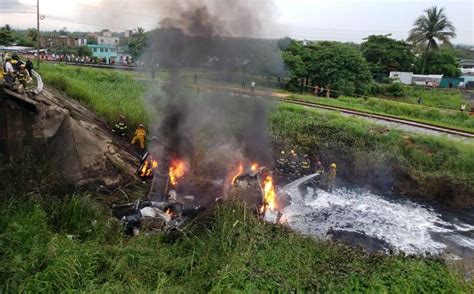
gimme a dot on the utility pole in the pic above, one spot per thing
(37, 33)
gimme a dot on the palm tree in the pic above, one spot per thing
(432, 26)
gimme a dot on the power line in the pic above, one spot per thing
(72, 20)
(17, 12)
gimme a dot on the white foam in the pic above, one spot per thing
(404, 225)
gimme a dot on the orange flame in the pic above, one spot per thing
(177, 171)
(241, 170)
(270, 195)
(148, 168)
(170, 213)
(254, 167)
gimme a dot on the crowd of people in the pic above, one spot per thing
(16, 73)
(72, 58)
(69, 58)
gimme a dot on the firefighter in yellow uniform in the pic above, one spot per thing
(332, 177)
(140, 135)
(24, 76)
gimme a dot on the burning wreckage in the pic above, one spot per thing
(167, 207)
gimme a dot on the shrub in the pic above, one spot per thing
(395, 90)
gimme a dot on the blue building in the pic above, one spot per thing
(106, 53)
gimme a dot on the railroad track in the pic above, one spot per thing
(388, 118)
(285, 98)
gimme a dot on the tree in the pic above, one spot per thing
(137, 42)
(429, 28)
(91, 40)
(32, 34)
(7, 36)
(385, 54)
(331, 65)
(442, 61)
(297, 58)
(340, 67)
(84, 51)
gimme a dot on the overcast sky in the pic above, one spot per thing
(341, 20)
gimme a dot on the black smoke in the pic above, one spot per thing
(194, 119)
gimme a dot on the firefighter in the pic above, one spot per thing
(294, 166)
(305, 165)
(319, 170)
(331, 177)
(120, 127)
(140, 136)
(24, 76)
(282, 162)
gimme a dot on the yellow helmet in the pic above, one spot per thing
(333, 165)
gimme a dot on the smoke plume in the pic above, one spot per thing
(210, 129)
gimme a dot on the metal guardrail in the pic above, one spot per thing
(39, 80)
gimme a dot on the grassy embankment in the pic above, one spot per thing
(107, 92)
(52, 240)
(421, 113)
(425, 167)
(437, 98)
(420, 166)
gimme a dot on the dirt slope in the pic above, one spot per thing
(72, 137)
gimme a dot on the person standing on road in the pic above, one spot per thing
(252, 84)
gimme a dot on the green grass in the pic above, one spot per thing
(227, 249)
(435, 116)
(438, 98)
(107, 92)
(368, 155)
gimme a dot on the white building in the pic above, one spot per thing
(427, 80)
(403, 77)
(106, 38)
(409, 78)
(80, 42)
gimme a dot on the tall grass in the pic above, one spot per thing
(228, 249)
(439, 98)
(435, 116)
(109, 93)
